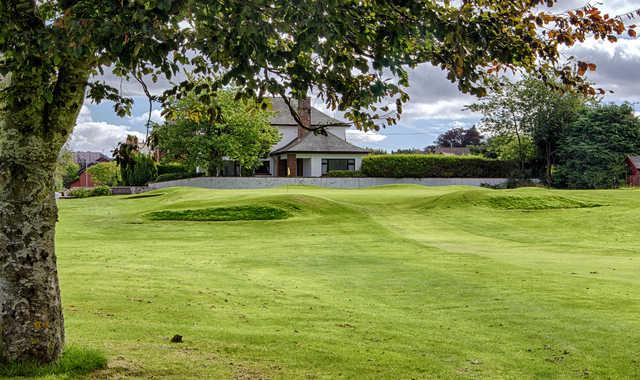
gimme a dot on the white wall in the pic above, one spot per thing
(315, 161)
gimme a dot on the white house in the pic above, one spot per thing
(304, 153)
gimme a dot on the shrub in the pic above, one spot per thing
(141, 172)
(105, 173)
(80, 192)
(344, 173)
(439, 166)
(100, 191)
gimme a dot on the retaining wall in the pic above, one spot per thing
(266, 182)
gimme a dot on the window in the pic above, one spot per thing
(264, 168)
(329, 165)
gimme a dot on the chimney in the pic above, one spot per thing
(304, 111)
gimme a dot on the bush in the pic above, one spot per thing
(438, 166)
(142, 171)
(172, 168)
(80, 192)
(105, 173)
(100, 191)
(344, 173)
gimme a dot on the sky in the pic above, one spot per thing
(435, 105)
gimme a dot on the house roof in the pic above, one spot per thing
(319, 143)
(283, 116)
(455, 151)
(89, 158)
(635, 160)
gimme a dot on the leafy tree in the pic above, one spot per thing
(550, 113)
(505, 147)
(459, 137)
(105, 173)
(124, 156)
(454, 137)
(66, 170)
(49, 49)
(593, 151)
(471, 137)
(142, 171)
(504, 113)
(240, 131)
(531, 116)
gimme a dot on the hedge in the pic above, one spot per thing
(172, 168)
(344, 173)
(438, 166)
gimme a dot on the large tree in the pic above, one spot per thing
(459, 137)
(239, 131)
(592, 152)
(531, 116)
(49, 50)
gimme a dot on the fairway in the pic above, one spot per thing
(398, 282)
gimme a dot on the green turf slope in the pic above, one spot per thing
(397, 282)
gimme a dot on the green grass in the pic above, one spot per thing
(73, 363)
(396, 282)
(221, 214)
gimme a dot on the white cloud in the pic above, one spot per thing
(358, 136)
(450, 109)
(156, 117)
(84, 115)
(98, 136)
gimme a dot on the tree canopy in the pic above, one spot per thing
(354, 54)
(527, 120)
(592, 152)
(459, 137)
(240, 131)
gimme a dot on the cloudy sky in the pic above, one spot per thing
(436, 104)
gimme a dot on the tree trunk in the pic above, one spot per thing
(31, 322)
(32, 133)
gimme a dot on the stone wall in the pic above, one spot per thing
(267, 182)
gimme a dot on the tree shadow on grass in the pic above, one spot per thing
(74, 362)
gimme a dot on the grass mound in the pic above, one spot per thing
(221, 214)
(547, 202)
(141, 196)
(74, 362)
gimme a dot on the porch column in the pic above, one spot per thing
(292, 165)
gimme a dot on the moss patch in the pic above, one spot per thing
(537, 203)
(74, 362)
(221, 214)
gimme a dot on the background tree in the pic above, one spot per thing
(528, 118)
(459, 137)
(592, 153)
(49, 49)
(472, 137)
(105, 173)
(505, 114)
(550, 113)
(66, 170)
(239, 130)
(124, 156)
(453, 137)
